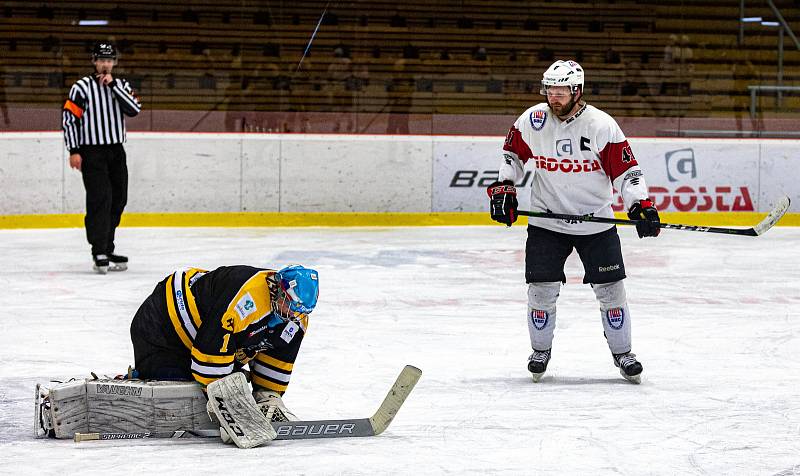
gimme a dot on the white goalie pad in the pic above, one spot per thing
(230, 401)
(118, 406)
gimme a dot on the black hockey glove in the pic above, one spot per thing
(647, 218)
(277, 336)
(503, 202)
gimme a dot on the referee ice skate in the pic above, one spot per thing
(94, 130)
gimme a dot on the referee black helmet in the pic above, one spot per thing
(104, 49)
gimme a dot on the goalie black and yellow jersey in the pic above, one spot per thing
(225, 319)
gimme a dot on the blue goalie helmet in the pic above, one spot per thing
(300, 286)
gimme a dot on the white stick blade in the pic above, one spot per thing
(402, 387)
(781, 206)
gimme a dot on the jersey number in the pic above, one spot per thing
(225, 340)
(627, 155)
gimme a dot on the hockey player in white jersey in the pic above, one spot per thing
(579, 155)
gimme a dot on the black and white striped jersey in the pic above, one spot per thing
(94, 114)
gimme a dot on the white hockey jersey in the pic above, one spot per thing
(577, 163)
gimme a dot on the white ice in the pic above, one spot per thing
(715, 323)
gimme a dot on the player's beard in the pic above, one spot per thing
(562, 111)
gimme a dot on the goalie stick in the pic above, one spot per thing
(299, 430)
(146, 434)
(768, 222)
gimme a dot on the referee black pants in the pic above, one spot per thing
(105, 177)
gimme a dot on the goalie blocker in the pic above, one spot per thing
(232, 405)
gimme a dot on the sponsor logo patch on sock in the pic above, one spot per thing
(616, 317)
(539, 318)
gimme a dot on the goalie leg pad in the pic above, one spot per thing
(232, 404)
(615, 315)
(119, 406)
(542, 313)
(42, 419)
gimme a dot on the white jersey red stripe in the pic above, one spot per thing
(577, 164)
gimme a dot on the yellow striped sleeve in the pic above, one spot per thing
(261, 357)
(268, 384)
(211, 359)
(204, 381)
(173, 314)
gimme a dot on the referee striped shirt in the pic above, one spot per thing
(94, 113)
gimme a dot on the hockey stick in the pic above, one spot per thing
(313, 35)
(301, 430)
(146, 434)
(768, 222)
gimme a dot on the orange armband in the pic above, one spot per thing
(73, 108)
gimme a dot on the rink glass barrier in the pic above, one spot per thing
(407, 76)
(438, 68)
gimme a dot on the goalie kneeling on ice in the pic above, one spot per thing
(119, 406)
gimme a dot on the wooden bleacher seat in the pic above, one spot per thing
(158, 39)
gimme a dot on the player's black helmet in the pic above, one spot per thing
(104, 49)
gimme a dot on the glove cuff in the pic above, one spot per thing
(497, 188)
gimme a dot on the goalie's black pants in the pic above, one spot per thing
(157, 350)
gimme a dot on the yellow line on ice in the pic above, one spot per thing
(345, 219)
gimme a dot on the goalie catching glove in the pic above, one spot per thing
(648, 223)
(503, 202)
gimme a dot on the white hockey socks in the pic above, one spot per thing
(230, 402)
(615, 315)
(542, 313)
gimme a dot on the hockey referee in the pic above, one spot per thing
(94, 130)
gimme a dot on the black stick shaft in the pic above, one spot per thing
(620, 221)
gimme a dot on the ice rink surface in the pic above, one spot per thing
(716, 324)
